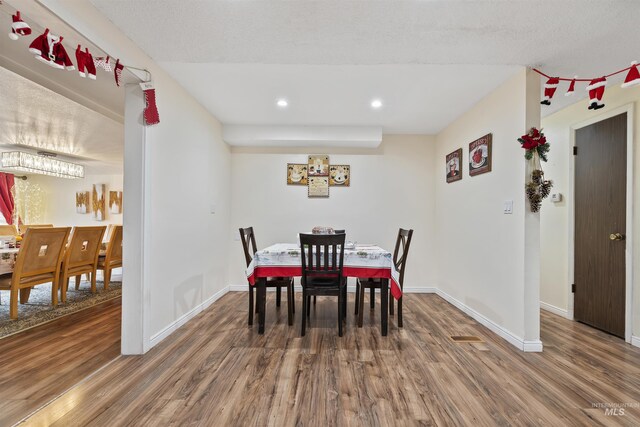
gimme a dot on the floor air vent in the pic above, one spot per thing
(465, 338)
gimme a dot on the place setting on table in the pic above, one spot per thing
(323, 259)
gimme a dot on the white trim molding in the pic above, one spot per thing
(527, 346)
(173, 326)
(635, 341)
(555, 310)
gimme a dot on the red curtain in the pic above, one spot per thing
(7, 204)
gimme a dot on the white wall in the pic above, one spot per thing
(481, 251)
(555, 236)
(60, 199)
(391, 187)
(176, 256)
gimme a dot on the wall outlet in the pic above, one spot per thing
(508, 207)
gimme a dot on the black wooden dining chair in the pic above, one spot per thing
(249, 245)
(399, 261)
(322, 260)
(334, 232)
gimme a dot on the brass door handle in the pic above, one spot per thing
(616, 236)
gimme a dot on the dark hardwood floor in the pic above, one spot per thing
(215, 371)
(41, 363)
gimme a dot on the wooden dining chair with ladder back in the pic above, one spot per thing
(322, 257)
(248, 238)
(400, 254)
(334, 232)
(112, 257)
(38, 262)
(81, 257)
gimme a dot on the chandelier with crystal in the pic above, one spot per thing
(43, 163)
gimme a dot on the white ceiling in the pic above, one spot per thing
(428, 60)
(57, 110)
(37, 118)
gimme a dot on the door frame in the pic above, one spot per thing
(629, 246)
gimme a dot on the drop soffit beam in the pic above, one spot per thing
(302, 136)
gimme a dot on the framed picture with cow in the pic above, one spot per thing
(454, 166)
(339, 175)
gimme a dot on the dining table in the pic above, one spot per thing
(8, 260)
(360, 261)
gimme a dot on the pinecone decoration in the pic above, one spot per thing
(536, 176)
(536, 203)
(530, 189)
(545, 188)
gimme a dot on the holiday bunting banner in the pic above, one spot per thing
(595, 87)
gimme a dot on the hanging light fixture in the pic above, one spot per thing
(43, 163)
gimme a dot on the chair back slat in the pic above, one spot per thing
(322, 255)
(24, 227)
(248, 238)
(41, 252)
(114, 247)
(401, 251)
(8, 230)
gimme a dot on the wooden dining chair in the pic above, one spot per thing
(334, 232)
(248, 238)
(8, 230)
(322, 261)
(38, 262)
(112, 256)
(22, 228)
(81, 256)
(400, 254)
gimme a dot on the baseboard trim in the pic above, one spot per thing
(172, 327)
(516, 341)
(635, 341)
(555, 310)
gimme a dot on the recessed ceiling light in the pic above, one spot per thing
(282, 103)
(376, 103)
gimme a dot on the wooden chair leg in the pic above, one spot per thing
(78, 279)
(391, 299)
(357, 297)
(278, 296)
(340, 316)
(13, 303)
(107, 280)
(290, 304)
(304, 313)
(372, 298)
(400, 312)
(314, 300)
(54, 291)
(93, 279)
(293, 297)
(64, 285)
(251, 292)
(24, 295)
(361, 308)
(308, 302)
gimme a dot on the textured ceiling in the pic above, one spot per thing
(35, 117)
(219, 49)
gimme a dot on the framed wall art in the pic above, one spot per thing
(454, 166)
(83, 202)
(318, 165)
(115, 202)
(99, 202)
(318, 186)
(340, 175)
(296, 174)
(480, 156)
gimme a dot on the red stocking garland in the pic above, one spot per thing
(117, 72)
(150, 114)
(595, 88)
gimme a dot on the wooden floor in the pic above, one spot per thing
(41, 363)
(215, 371)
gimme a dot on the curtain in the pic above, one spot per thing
(7, 204)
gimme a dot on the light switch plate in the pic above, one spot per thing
(508, 207)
